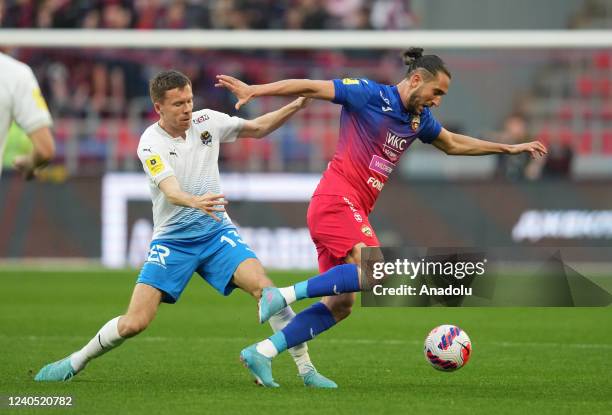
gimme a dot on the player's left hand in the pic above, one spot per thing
(210, 203)
(25, 166)
(534, 148)
(243, 92)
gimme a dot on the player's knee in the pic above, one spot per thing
(130, 326)
(341, 309)
(251, 277)
(340, 313)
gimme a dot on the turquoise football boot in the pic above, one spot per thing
(259, 365)
(270, 303)
(314, 379)
(56, 372)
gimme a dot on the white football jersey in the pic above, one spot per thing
(20, 100)
(194, 162)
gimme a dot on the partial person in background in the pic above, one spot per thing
(557, 164)
(519, 166)
(22, 102)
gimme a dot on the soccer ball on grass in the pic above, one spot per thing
(448, 348)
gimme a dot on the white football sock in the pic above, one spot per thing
(298, 352)
(288, 294)
(266, 348)
(106, 339)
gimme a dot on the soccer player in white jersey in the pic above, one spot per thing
(21, 101)
(192, 232)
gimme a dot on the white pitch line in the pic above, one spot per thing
(386, 342)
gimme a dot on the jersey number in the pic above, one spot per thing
(233, 241)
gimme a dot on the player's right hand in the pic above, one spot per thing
(243, 92)
(210, 203)
(25, 166)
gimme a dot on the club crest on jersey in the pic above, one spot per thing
(367, 231)
(415, 123)
(206, 138)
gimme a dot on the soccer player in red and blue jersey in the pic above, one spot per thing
(377, 125)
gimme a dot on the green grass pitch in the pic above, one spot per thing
(525, 360)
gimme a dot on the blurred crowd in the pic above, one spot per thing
(95, 88)
(208, 14)
(100, 102)
(113, 83)
(82, 83)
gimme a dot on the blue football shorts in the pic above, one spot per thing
(215, 257)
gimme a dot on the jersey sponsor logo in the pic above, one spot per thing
(39, 100)
(350, 81)
(381, 166)
(395, 145)
(415, 123)
(201, 119)
(395, 141)
(158, 255)
(391, 153)
(386, 109)
(375, 183)
(206, 138)
(155, 164)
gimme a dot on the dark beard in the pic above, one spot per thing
(413, 102)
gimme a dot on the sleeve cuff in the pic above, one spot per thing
(338, 92)
(235, 131)
(36, 124)
(157, 179)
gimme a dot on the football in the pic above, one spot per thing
(448, 348)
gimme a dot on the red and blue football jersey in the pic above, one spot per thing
(375, 130)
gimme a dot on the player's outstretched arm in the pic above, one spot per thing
(463, 145)
(264, 125)
(42, 153)
(208, 203)
(289, 87)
